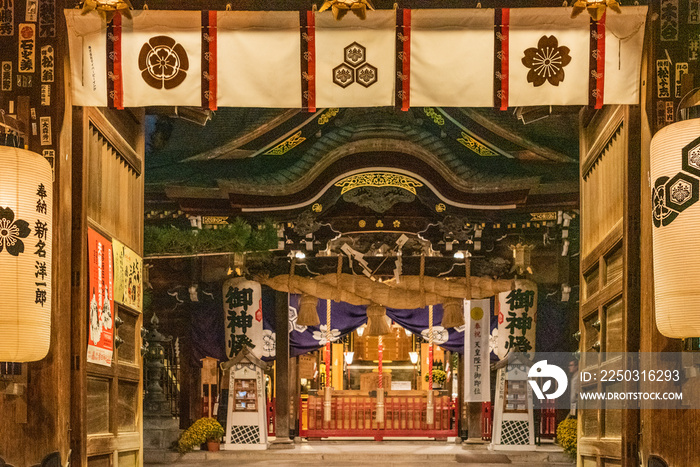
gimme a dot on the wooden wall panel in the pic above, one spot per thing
(115, 193)
(114, 206)
(609, 143)
(107, 196)
(602, 193)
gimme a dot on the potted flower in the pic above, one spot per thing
(566, 435)
(205, 430)
(439, 377)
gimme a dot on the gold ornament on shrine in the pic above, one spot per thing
(341, 7)
(596, 8)
(107, 8)
(521, 258)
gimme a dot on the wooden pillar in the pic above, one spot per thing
(79, 287)
(471, 411)
(474, 422)
(282, 386)
(294, 396)
(632, 277)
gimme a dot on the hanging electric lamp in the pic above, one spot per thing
(26, 230)
(521, 258)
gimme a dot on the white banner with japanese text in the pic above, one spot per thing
(243, 316)
(477, 378)
(517, 312)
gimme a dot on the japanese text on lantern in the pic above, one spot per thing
(41, 230)
(519, 299)
(238, 301)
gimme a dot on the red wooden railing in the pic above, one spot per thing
(271, 417)
(486, 421)
(548, 419)
(356, 416)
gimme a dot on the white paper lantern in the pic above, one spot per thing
(243, 316)
(675, 179)
(26, 190)
(516, 318)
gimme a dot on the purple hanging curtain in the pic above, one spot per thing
(346, 318)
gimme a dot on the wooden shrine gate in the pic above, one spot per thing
(354, 415)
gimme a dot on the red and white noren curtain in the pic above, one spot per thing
(434, 57)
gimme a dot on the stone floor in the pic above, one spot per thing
(341, 453)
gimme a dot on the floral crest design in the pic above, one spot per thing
(355, 68)
(440, 335)
(546, 61)
(269, 343)
(493, 341)
(163, 62)
(320, 336)
(355, 53)
(293, 326)
(12, 231)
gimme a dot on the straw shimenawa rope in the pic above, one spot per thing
(359, 290)
(307, 314)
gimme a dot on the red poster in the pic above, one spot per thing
(101, 300)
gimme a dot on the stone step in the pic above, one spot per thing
(362, 454)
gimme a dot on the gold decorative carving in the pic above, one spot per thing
(397, 224)
(327, 115)
(543, 216)
(440, 207)
(214, 220)
(379, 223)
(378, 179)
(476, 146)
(434, 116)
(290, 143)
(317, 207)
(362, 223)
